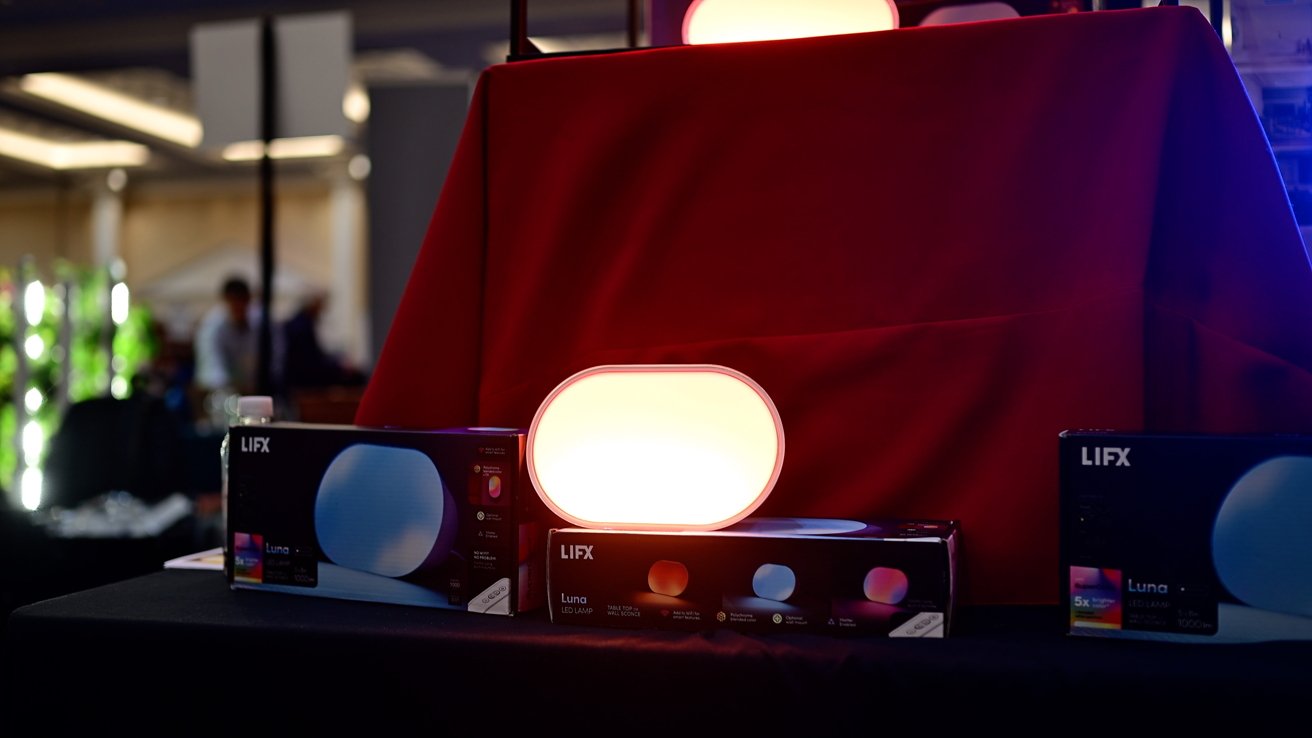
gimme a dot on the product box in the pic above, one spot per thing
(1187, 538)
(892, 578)
(432, 518)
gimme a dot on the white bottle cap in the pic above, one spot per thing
(255, 406)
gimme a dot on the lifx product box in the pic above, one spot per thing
(1187, 538)
(436, 519)
(894, 578)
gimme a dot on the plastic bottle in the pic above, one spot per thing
(251, 410)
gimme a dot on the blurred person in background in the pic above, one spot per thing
(227, 340)
(305, 364)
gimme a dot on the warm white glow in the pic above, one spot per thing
(305, 147)
(655, 447)
(31, 488)
(118, 303)
(34, 346)
(34, 442)
(93, 154)
(34, 302)
(118, 387)
(80, 155)
(727, 21)
(33, 400)
(359, 167)
(116, 180)
(103, 102)
(355, 105)
(585, 42)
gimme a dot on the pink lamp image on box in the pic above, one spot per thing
(885, 585)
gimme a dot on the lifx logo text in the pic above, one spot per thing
(1104, 456)
(575, 551)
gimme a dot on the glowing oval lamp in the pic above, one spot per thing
(729, 21)
(656, 447)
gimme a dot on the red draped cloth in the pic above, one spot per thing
(935, 248)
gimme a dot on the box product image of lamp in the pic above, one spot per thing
(661, 466)
(428, 518)
(1187, 537)
(887, 578)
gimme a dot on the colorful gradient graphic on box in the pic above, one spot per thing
(892, 578)
(1183, 538)
(435, 519)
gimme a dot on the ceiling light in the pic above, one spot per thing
(573, 44)
(105, 103)
(305, 147)
(116, 180)
(359, 167)
(71, 155)
(355, 105)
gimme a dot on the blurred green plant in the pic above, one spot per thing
(8, 370)
(88, 306)
(135, 344)
(85, 359)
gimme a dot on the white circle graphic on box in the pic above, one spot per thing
(384, 510)
(774, 582)
(1260, 543)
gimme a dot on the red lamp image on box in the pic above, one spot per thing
(656, 447)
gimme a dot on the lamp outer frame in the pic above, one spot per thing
(531, 466)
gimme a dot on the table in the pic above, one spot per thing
(178, 650)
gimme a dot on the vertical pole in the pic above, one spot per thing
(519, 29)
(268, 129)
(635, 22)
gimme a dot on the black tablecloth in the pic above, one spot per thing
(178, 651)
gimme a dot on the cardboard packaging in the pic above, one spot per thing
(888, 578)
(431, 518)
(1187, 538)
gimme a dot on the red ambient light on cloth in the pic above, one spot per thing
(656, 447)
(729, 21)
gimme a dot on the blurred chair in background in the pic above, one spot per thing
(105, 444)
